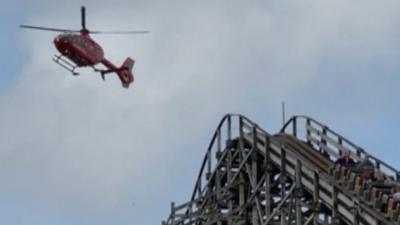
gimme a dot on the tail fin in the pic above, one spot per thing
(125, 72)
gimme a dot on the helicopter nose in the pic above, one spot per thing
(57, 39)
(58, 42)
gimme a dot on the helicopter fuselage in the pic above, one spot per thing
(79, 48)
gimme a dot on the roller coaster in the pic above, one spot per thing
(249, 176)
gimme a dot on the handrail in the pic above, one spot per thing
(319, 134)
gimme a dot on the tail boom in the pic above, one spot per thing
(124, 72)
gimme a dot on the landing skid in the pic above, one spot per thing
(66, 64)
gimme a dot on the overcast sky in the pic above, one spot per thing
(77, 150)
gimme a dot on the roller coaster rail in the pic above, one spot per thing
(287, 178)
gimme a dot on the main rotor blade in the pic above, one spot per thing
(120, 32)
(47, 28)
(83, 18)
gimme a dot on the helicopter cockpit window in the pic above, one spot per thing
(67, 37)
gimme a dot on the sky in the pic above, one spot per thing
(77, 150)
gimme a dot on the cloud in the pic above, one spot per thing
(79, 150)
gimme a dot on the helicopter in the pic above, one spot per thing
(78, 49)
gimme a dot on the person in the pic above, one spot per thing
(345, 159)
(396, 194)
(376, 178)
(363, 166)
(368, 176)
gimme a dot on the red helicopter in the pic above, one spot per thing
(78, 49)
